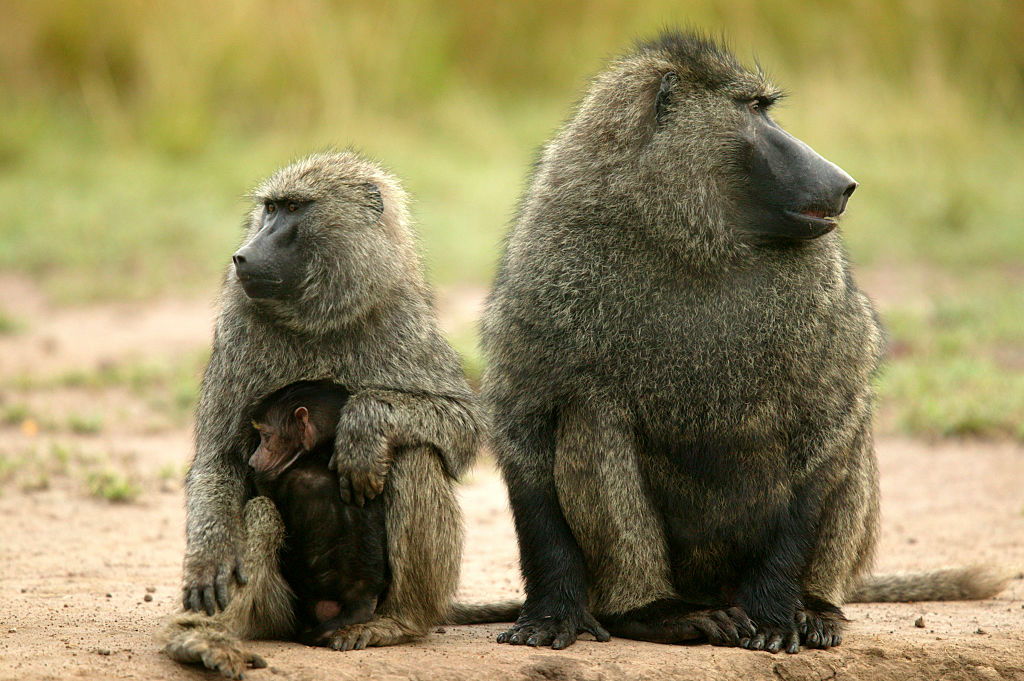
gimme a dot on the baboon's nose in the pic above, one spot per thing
(238, 259)
(847, 193)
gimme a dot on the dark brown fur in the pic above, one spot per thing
(335, 559)
(682, 413)
(363, 318)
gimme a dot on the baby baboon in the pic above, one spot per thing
(335, 558)
(680, 372)
(328, 286)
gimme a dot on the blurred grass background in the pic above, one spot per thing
(129, 131)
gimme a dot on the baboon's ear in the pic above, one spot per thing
(663, 102)
(306, 428)
(373, 198)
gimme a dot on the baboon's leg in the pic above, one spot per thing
(844, 546)
(620, 533)
(602, 496)
(424, 529)
(262, 608)
(554, 570)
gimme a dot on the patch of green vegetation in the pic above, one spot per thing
(9, 466)
(14, 414)
(958, 365)
(112, 486)
(131, 130)
(9, 325)
(85, 424)
(169, 472)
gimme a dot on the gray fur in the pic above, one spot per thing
(364, 319)
(629, 299)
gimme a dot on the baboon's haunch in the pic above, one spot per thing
(335, 558)
(680, 372)
(328, 286)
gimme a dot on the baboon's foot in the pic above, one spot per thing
(725, 627)
(217, 651)
(773, 638)
(676, 621)
(552, 631)
(820, 626)
(382, 631)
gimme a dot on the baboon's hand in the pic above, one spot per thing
(207, 579)
(362, 458)
(557, 632)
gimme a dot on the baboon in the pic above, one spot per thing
(335, 556)
(327, 286)
(679, 372)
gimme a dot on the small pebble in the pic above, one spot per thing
(110, 595)
(440, 630)
(150, 589)
(919, 622)
(147, 598)
(12, 630)
(979, 630)
(24, 590)
(103, 651)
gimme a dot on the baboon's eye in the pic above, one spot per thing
(269, 206)
(759, 105)
(292, 206)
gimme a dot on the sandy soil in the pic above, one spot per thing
(75, 571)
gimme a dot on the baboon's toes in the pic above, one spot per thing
(773, 638)
(821, 629)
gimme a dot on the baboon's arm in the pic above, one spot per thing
(553, 567)
(214, 493)
(376, 422)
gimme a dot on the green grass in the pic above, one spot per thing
(112, 486)
(958, 365)
(131, 130)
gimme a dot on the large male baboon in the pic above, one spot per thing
(327, 286)
(680, 372)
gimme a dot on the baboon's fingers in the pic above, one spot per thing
(726, 626)
(592, 627)
(801, 622)
(773, 644)
(255, 661)
(209, 600)
(753, 643)
(563, 640)
(742, 620)
(241, 573)
(220, 586)
(364, 640)
(793, 643)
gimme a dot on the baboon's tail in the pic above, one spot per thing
(950, 584)
(483, 613)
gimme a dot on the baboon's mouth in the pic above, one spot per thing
(816, 213)
(818, 221)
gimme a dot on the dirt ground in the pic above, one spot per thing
(76, 570)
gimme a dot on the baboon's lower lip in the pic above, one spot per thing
(818, 225)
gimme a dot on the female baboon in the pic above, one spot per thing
(328, 286)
